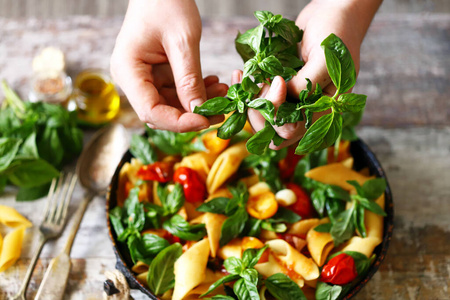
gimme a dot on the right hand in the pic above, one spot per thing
(156, 62)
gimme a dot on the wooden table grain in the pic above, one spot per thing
(405, 71)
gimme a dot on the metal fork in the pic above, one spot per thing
(54, 219)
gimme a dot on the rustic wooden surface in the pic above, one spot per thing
(405, 73)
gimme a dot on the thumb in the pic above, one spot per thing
(185, 63)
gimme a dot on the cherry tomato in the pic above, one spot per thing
(287, 165)
(213, 143)
(303, 207)
(193, 186)
(250, 242)
(262, 206)
(159, 171)
(340, 270)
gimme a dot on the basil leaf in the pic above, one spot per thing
(359, 220)
(334, 207)
(265, 107)
(343, 228)
(282, 287)
(290, 60)
(251, 256)
(244, 50)
(374, 188)
(357, 186)
(222, 297)
(234, 265)
(215, 206)
(327, 292)
(182, 229)
(215, 106)
(322, 134)
(250, 275)
(253, 227)
(271, 65)
(32, 193)
(246, 290)
(289, 31)
(350, 103)
(225, 279)
(252, 37)
(322, 104)
(285, 215)
(8, 150)
(115, 216)
(140, 148)
(372, 206)
(49, 146)
(172, 143)
(31, 173)
(135, 210)
(161, 277)
(233, 226)
(272, 226)
(232, 125)
(175, 200)
(145, 248)
(318, 200)
(250, 67)
(339, 63)
(277, 140)
(263, 16)
(28, 149)
(288, 113)
(323, 227)
(249, 86)
(336, 192)
(260, 141)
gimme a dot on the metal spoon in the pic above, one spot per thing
(95, 169)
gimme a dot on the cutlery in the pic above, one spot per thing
(95, 169)
(55, 214)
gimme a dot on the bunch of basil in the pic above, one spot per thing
(36, 140)
(270, 50)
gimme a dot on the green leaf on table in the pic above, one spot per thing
(161, 277)
(29, 148)
(282, 287)
(32, 193)
(32, 173)
(8, 150)
(49, 146)
(141, 148)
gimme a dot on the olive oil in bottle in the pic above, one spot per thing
(96, 97)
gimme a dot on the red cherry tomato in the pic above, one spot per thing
(303, 206)
(158, 171)
(287, 165)
(193, 186)
(340, 270)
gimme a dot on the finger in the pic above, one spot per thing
(315, 70)
(216, 90)
(236, 76)
(184, 59)
(210, 80)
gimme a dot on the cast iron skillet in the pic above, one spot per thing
(363, 156)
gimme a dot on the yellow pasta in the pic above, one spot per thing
(195, 258)
(274, 266)
(201, 162)
(11, 218)
(11, 248)
(225, 166)
(363, 245)
(320, 245)
(213, 224)
(140, 267)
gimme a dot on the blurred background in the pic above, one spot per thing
(208, 8)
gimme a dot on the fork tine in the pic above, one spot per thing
(51, 191)
(70, 182)
(62, 197)
(54, 200)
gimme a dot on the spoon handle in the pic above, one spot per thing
(77, 220)
(55, 278)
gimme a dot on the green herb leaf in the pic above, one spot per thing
(215, 206)
(327, 292)
(135, 210)
(339, 63)
(322, 104)
(372, 206)
(232, 125)
(234, 265)
(8, 150)
(246, 290)
(260, 141)
(359, 220)
(140, 148)
(251, 256)
(323, 227)
(272, 226)
(288, 113)
(32, 173)
(343, 228)
(145, 248)
(265, 107)
(161, 276)
(282, 287)
(177, 226)
(271, 65)
(374, 188)
(215, 106)
(285, 215)
(250, 86)
(350, 103)
(233, 226)
(32, 193)
(225, 279)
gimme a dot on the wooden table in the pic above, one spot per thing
(405, 71)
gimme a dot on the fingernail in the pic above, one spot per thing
(194, 103)
(276, 82)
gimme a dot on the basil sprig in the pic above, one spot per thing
(344, 223)
(269, 50)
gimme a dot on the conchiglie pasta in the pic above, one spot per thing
(362, 245)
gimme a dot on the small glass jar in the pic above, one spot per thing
(95, 96)
(50, 86)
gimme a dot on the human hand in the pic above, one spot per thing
(156, 62)
(349, 20)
